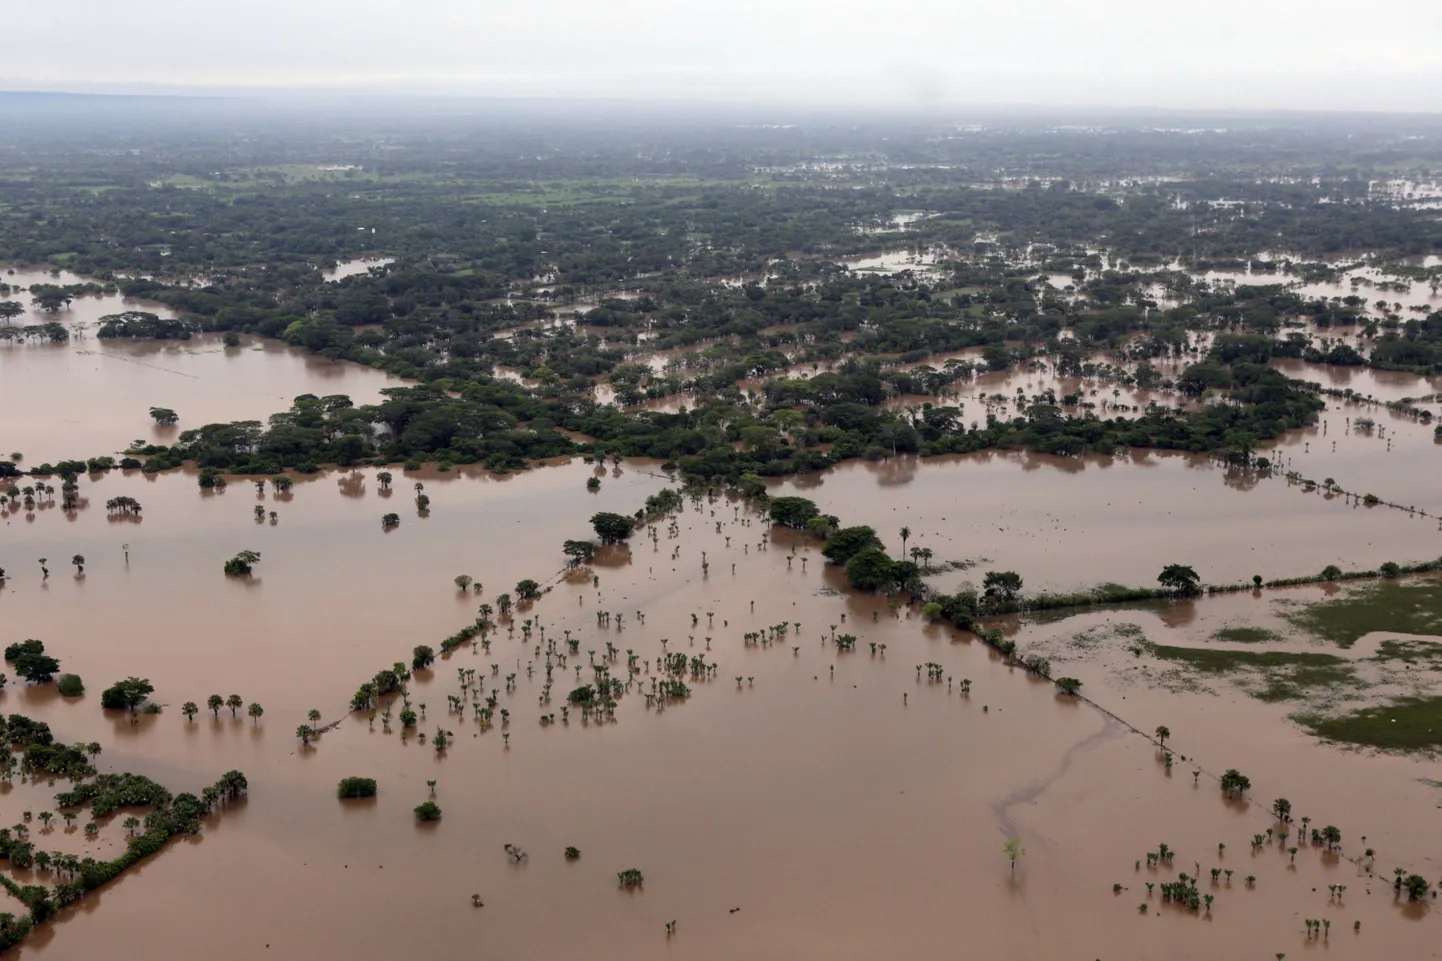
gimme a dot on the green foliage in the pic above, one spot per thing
(356, 787)
(57, 760)
(1001, 587)
(427, 811)
(31, 662)
(1068, 685)
(108, 793)
(611, 528)
(422, 657)
(1234, 783)
(1180, 579)
(793, 511)
(1246, 635)
(1407, 607)
(242, 563)
(70, 685)
(873, 570)
(579, 552)
(126, 695)
(1417, 887)
(1403, 724)
(847, 542)
(18, 649)
(20, 730)
(528, 590)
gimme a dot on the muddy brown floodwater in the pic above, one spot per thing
(90, 396)
(828, 804)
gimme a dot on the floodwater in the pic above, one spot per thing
(1049, 518)
(352, 268)
(87, 397)
(753, 809)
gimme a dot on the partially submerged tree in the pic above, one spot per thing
(242, 563)
(1180, 580)
(126, 695)
(1234, 783)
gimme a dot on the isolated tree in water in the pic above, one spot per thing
(1180, 579)
(1012, 849)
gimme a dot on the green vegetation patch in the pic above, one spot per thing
(1246, 635)
(1410, 652)
(1407, 724)
(1269, 675)
(1408, 607)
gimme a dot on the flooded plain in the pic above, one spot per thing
(753, 808)
(92, 396)
(804, 801)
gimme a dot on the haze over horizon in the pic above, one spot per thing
(1285, 54)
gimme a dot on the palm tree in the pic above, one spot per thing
(215, 702)
(189, 709)
(905, 536)
(313, 716)
(255, 711)
(1163, 732)
(69, 817)
(234, 703)
(305, 733)
(1012, 849)
(79, 561)
(130, 824)
(384, 478)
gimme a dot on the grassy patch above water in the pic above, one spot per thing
(1219, 662)
(1412, 652)
(1407, 724)
(1408, 607)
(1246, 635)
(1267, 675)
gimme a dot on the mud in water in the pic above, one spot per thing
(797, 814)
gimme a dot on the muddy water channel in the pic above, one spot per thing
(796, 779)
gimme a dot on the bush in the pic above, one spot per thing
(70, 685)
(351, 787)
(428, 811)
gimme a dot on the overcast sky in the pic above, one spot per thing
(1311, 54)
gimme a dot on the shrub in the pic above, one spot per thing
(351, 787)
(428, 811)
(70, 685)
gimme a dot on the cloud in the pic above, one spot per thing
(1225, 53)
